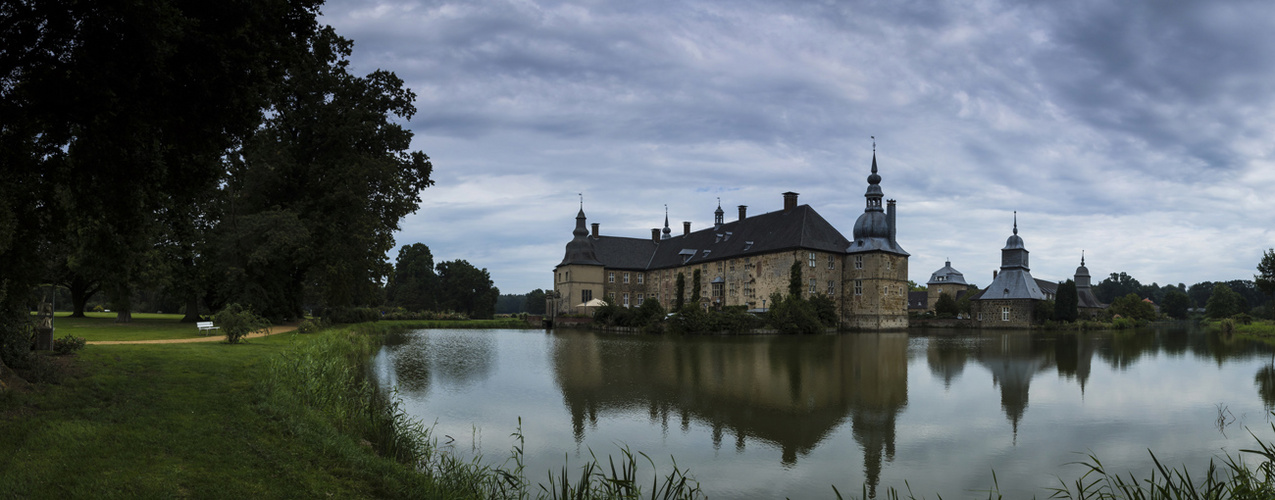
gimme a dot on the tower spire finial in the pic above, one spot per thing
(1082, 257)
(581, 200)
(1015, 222)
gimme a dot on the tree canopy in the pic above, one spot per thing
(1067, 303)
(220, 150)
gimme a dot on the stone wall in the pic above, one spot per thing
(876, 292)
(989, 313)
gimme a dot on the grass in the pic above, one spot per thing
(286, 416)
(179, 420)
(145, 326)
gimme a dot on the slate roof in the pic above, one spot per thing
(918, 300)
(1013, 283)
(1087, 299)
(1047, 287)
(947, 274)
(800, 228)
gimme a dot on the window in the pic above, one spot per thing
(639, 278)
(611, 297)
(626, 300)
(887, 263)
(812, 286)
(812, 259)
(832, 262)
(626, 278)
(732, 265)
(858, 262)
(611, 277)
(832, 290)
(586, 295)
(858, 287)
(1004, 314)
(640, 298)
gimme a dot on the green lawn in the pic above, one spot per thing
(174, 420)
(145, 326)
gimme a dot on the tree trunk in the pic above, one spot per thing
(122, 302)
(81, 291)
(192, 310)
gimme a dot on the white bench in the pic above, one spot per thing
(206, 327)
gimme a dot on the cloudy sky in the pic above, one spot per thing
(1138, 132)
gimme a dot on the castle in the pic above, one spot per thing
(742, 262)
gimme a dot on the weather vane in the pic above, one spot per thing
(581, 200)
(874, 143)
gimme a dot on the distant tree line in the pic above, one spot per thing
(210, 153)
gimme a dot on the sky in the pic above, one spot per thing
(1141, 133)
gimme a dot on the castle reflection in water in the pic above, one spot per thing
(793, 392)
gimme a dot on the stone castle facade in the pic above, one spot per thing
(742, 262)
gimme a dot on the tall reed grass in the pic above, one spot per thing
(322, 388)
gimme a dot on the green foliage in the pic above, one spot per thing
(825, 309)
(535, 302)
(311, 326)
(914, 287)
(68, 344)
(1116, 286)
(680, 299)
(1067, 303)
(466, 289)
(15, 337)
(238, 321)
(414, 284)
(1224, 303)
(964, 304)
(793, 315)
(1043, 311)
(1176, 304)
(946, 307)
(348, 315)
(794, 278)
(1132, 306)
(696, 288)
(1265, 278)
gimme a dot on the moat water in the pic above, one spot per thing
(774, 417)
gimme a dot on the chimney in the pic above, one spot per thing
(889, 218)
(790, 201)
(595, 230)
(743, 212)
(655, 234)
(686, 227)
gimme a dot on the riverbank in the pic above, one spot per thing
(284, 416)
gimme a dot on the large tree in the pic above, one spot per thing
(1116, 286)
(332, 165)
(1265, 278)
(1176, 304)
(1066, 305)
(414, 285)
(535, 302)
(466, 289)
(1224, 303)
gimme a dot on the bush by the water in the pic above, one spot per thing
(238, 321)
(348, 315)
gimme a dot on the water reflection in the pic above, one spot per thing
(817, 401)
(454, 359)
(791, 392)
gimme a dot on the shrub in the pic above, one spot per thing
(237, 322)
(311, 325)
(68, 344)
(345, 315)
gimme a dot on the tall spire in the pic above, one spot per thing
(668, 233)
(1082, 258)
(1015, 222)
(874, 193)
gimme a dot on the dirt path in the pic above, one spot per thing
(210, 338)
